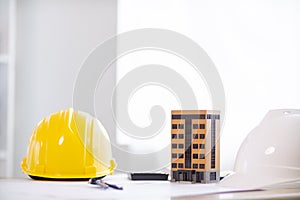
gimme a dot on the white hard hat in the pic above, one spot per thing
(270, 154)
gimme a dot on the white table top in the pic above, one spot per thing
(27, 188)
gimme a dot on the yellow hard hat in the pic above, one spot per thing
(68, 145)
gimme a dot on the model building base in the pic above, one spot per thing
(196, 176)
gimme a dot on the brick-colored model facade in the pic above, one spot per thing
(195, 146)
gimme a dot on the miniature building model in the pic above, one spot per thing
(195, 146)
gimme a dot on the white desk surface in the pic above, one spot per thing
(27, 188)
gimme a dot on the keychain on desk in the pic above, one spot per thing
(104, 185)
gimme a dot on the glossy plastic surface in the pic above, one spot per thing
(68, 145)
(270, 154)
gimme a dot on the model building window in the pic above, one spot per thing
(202, 136)
(195, 156)
(174, 126)
(202, 156)
(174, 165)
(202, 166)
(208, 116)
(195, 146)
(202, 126)
(174, 136)
(195, 166)
(174, 155)
(180, 155)
(217, 117)
(195, 136)
(202, 146)
(202, 116)
(180, 146)
(195, 126)
(181, 126)
(180, 165)
(213, 176)
(181, 136)
(174, 146)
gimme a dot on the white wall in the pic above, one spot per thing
(53, 39)
(255, 46)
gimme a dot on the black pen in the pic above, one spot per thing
(114, 186)
(101, 183)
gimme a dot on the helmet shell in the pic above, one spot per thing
(69, 145)
(270, 153)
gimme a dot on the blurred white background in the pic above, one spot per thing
(52, 39)
(255, 46)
